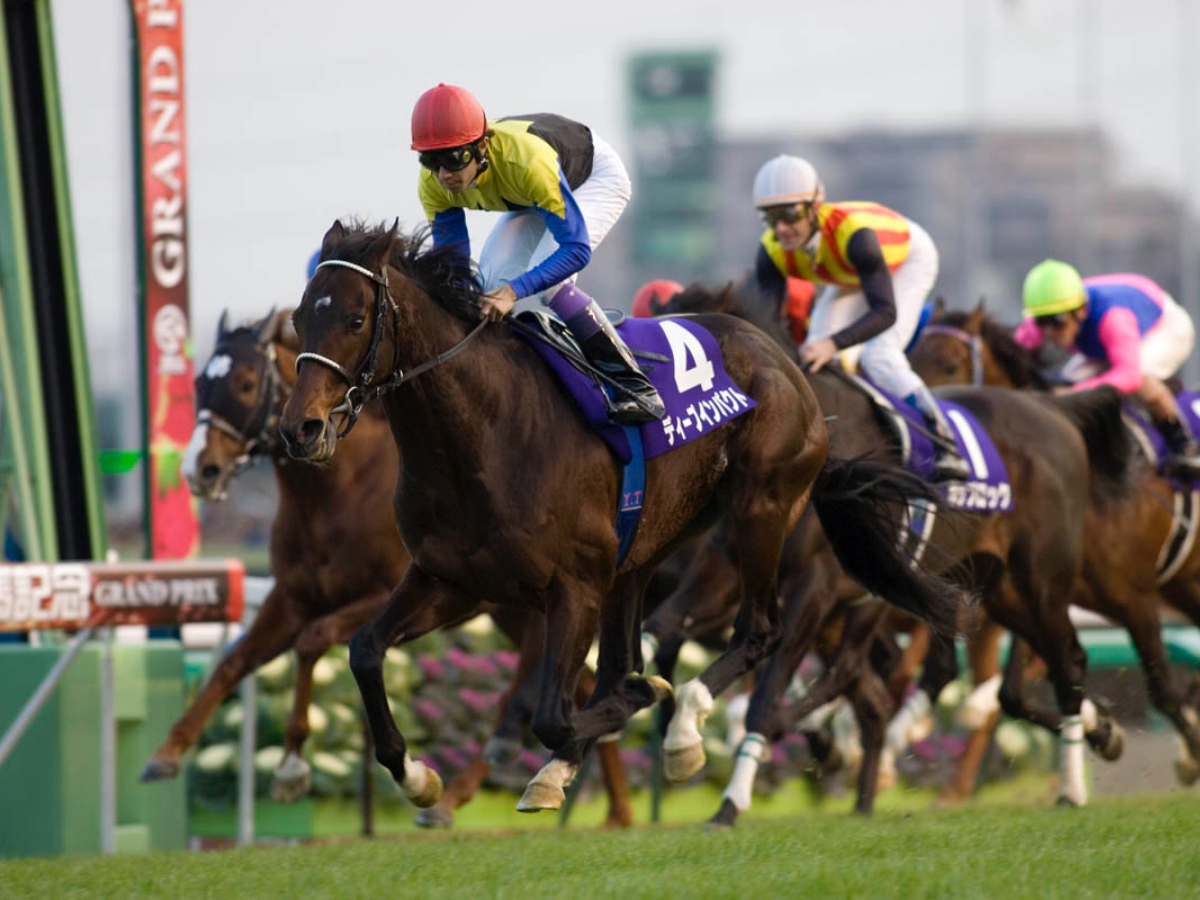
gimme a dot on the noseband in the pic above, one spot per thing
(973, 341)
(362, 389)
(253, 439)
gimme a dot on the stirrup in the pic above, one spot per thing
(949, 466)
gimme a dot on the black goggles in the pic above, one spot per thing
(789, 214)
(1054, 321)
(454, 159)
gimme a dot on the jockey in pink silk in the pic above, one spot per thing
(1126, 331)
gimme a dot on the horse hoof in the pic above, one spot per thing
(1066, 802)
(290, 790)
(159, 770)
(501, 751)
(540, 795)
(618, 822)
(726, 817)
(682, 763)
(662, 688)
(431, 791)
(1115, 744)
(1187, 771)
(434, 817)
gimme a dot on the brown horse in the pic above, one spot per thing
(1124, 540)
(505, 494)
(334, 563)
(1022, 562)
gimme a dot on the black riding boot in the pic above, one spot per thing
(636, 400)
(948, 463)
(1184, 458)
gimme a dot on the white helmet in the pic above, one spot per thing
(787, 179)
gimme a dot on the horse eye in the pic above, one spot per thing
(357, 323)
(247, 386)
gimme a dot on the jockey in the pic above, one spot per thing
(877, 268)
(1127, 331)
(652, 296)
(560, 189)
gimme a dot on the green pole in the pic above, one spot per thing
(84, 404)
(20, 365)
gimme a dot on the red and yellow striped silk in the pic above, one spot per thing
(838, 223)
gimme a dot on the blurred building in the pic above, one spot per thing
(1039, 193)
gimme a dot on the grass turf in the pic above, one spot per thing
(1116, 848)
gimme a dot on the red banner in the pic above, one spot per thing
(76, 594)
(171, 511)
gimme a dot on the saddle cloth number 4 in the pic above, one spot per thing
(693, 368)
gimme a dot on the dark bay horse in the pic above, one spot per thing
(334, 563)
(1022, 563)
(506, 495)
(1125, 537)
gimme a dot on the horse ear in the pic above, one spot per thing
(975, 320)
(221, 325)
(267, 329)
(939, 306)
(332, 238)
(381, 248)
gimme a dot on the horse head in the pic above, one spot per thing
(377, 304)
(237, 406)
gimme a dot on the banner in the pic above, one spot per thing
(166, 334)
(78, 594)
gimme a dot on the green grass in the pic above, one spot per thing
(1145, 847)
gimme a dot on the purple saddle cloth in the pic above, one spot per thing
(988, 489)
(1152, 442)
(683, 362)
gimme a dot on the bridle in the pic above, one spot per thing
(263, 422)
(973, 341)
(363, 387)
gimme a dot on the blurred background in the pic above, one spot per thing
(1011, 130)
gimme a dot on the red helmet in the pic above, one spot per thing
(446, 116)
(652, 295)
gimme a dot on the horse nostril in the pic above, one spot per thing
(209, 472)
(311, 430)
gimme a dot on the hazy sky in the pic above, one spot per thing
(298, 113)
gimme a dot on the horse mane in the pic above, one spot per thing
(732, 299)
(1110, 448)
(1020, 365)
(441, 272)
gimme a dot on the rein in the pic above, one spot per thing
(973, 341)
(363, 389)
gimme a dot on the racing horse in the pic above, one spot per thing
(1127, 564)
(334, 563)
(1022, 563)
(505, 493)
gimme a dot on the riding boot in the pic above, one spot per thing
(634, 399)
(948, 463)
(1184, 458)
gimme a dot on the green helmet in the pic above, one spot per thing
(1053, 287)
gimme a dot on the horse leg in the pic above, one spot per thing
(980, 712)
(871, 704)
(759, 542)
(618, 694)
(418, 605)
(1183, 593)
(273, 631)
(292, 778)
(914, 654)
(1145, 628)
(808, 603)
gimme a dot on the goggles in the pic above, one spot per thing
(773, 214)
(453, 159)
(1054, 321)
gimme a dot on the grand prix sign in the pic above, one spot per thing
(82, 594)
(162, 151)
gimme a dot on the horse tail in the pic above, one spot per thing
(1110, 448)
(861, 505)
